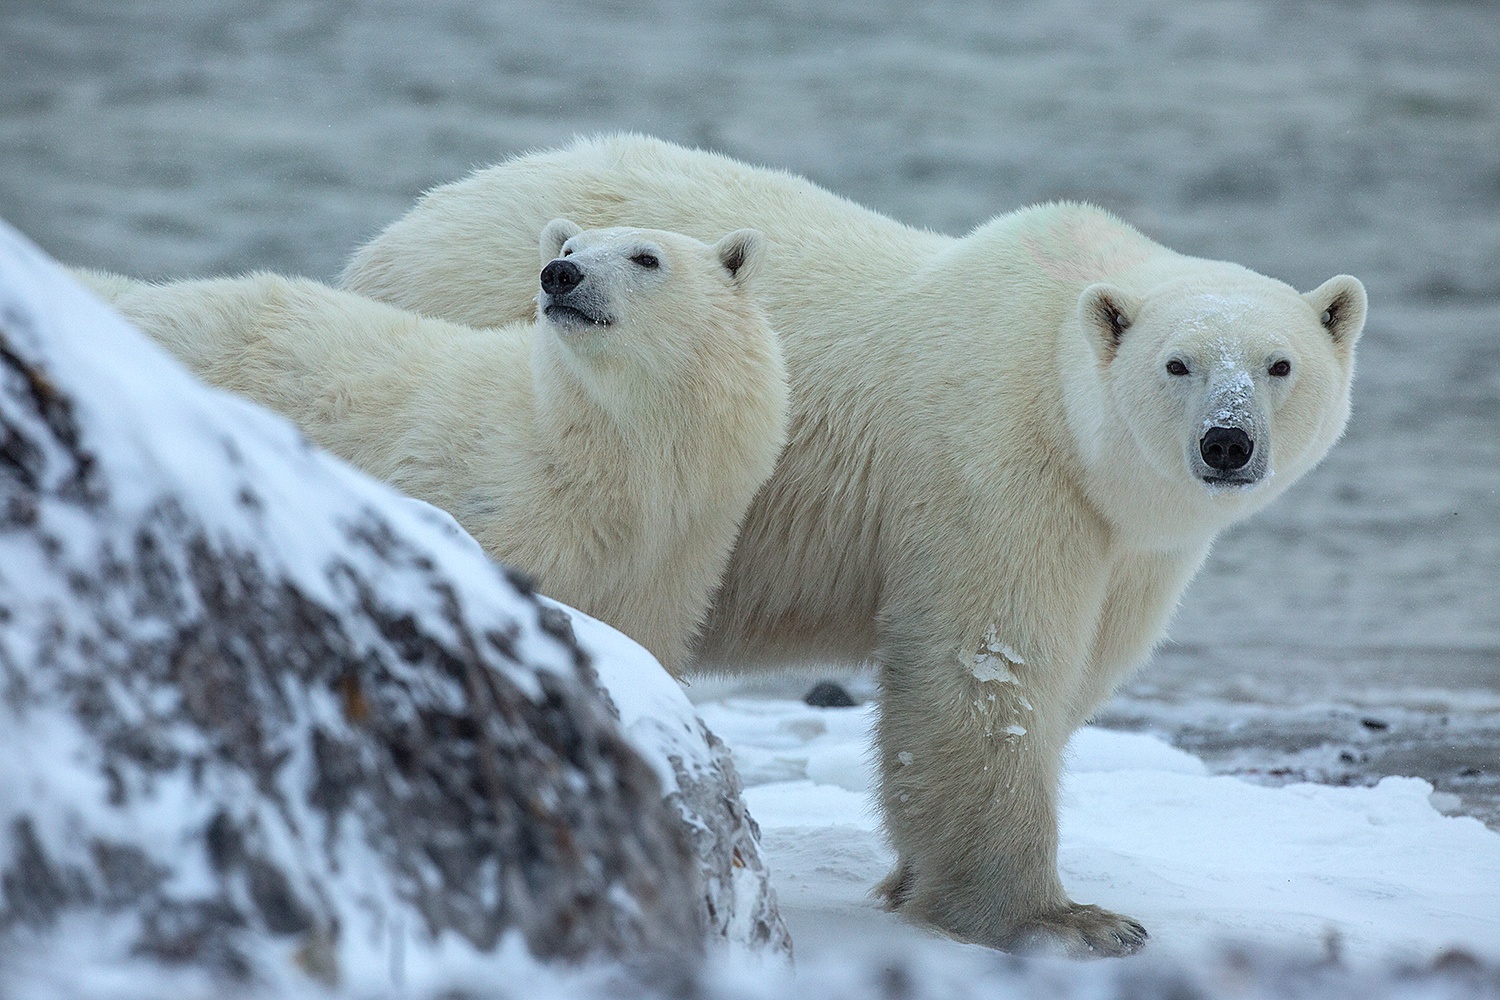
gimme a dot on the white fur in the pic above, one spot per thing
(612, 463)
(985, 491)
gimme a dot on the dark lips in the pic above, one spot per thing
(1230, 480)
(560, 313)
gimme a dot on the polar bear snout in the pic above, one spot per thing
(561, 276)
(569, 300)
(1226, 448)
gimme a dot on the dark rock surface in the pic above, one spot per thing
(260, 718)
(829, 694)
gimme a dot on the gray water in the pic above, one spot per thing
(1352, 630)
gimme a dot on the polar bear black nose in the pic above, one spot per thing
(561, 276)
(1226, 448)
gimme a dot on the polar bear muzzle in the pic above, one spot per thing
(1228, 456)
(566, 299)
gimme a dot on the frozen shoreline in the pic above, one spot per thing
(1431, 714)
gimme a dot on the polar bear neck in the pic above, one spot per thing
(653, 438)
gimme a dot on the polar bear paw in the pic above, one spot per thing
(1078, 931)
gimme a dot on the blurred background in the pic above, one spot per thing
(1352, 630)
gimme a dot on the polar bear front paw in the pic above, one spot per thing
(1078, 931)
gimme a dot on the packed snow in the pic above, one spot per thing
(1146, 830)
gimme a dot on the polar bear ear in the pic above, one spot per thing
(1105, 313)
(555, 234)
(740, 253)
(1340, 304)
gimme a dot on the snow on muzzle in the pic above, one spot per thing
(1231, 449)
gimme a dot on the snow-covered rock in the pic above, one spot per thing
(698, 777)
(263, 720)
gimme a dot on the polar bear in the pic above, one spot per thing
(1009, 454)
(609, 449)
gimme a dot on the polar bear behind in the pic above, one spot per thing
(1009, 453)
(609, 448)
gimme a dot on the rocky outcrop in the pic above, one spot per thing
(262, 719)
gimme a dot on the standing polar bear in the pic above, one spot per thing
(609, 449)
(1009, 453)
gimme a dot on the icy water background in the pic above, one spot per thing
(1351, 631)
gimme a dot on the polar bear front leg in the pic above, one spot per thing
(969, 776)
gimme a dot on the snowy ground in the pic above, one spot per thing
(1200, 859)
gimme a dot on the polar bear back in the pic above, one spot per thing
(418, 263)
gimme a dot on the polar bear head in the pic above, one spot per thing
(642, 293)
(633, 318)
(1228, 385)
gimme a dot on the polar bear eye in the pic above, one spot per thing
(646, 260)
(1176, 367)
(567, 251)
(1281, 369)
